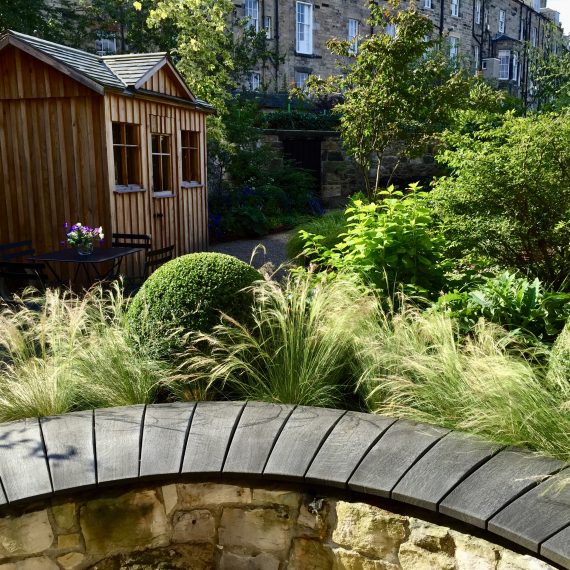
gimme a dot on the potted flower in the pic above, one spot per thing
(82, 238)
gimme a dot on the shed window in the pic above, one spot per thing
(191, 156)
(126, 152)
(161, 161)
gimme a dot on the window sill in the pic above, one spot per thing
(308, 55)
(128, 189)
(192, 184)
(165, 194)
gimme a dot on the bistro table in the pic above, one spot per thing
(88, 264)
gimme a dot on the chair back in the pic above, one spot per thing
(132, 240)
(157, 257)
(16, 250)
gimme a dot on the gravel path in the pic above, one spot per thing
(242, 249)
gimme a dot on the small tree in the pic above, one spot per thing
(550, 80)
(398, 89)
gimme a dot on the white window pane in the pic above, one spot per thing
(304, 28)
(504, 64)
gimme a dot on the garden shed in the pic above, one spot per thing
(113, 141)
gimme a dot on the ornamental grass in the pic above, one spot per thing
(415, 365)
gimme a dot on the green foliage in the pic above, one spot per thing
(391, 243)
(212, 56)
(61, 352)
(512, 302)
(416, 366)
(250, 191)
(301, 120)
(550, 80)
(298, 350)
(190, 292)
(330, 226)
(385, 86)
(507, 198)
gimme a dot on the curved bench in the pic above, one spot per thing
(509, 492)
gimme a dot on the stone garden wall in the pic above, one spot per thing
(198, 526)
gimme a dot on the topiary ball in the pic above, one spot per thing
(191, 291)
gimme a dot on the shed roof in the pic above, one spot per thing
(125, 72)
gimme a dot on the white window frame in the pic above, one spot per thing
(353, 29)
(476, 56)
(502, 21)
(536, 5)
(268, 27)
(478, 12)
(300, 79)
(522, 30)
(390, 30)
(304, 28)
(106, 44)
(428, 5)
(504, 65)
(453, 47)
(255, 80)
(252, 14)
(455, 8)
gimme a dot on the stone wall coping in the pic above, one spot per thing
(520, 496)
(302, 133)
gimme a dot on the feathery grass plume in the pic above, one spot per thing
(61, 352)
(299, 348)
(414, 365)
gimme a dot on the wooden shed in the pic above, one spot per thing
(114, 141)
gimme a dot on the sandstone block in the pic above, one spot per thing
(512, 561)
(431, 537)
(348, 560)
(413, 557)
(41, 563)
(371, 531)
(28, 534)
(259, 530)
(194, 526)
(169, 498)
(207, 494)
(230, 561)
(66, 541)
(275, 497)
(71, 561)
(310, 555)
(474, 553)
(65, 516)
(131, 521)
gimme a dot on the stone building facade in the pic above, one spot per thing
(493, 35)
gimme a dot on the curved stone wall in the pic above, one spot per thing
(201, 526)
(507, 494)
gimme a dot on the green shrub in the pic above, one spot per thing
(300, 348)
(301, 120)
(393, 243)
(191, 291)
(416, 366)
(507, 198)
(330, 226)
(512, 302)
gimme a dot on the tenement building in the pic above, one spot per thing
(494, 36)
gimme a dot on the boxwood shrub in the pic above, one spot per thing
(190, 292)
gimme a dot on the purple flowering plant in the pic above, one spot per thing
(79, 235)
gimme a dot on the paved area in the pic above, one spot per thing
(270, 249)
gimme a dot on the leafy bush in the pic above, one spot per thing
(190, 292)
(507, 198)
(512, 302)
(60, 353)
(416, 366)
(331, 226)
(301, 120)
(390, 243)
(298, 350)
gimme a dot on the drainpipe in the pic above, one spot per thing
(278, 55)
(441, 9)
